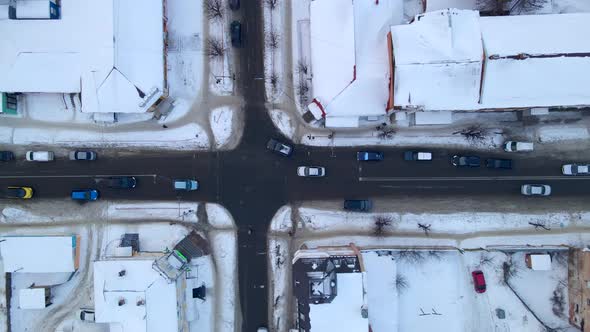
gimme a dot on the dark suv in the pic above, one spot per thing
(6, 156)
(236, 33)
(122, 182)
(278, 147)
(499, 163)
(361, 205)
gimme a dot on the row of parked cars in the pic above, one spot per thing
(45, 156)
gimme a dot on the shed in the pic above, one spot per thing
(34, 298)
(538, 262)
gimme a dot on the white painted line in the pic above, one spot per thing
(75, 176)
(473, 178)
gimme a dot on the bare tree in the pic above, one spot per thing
(526, 6)
(274, 80)
(425, 228)
(486, 260)
(558, 301)
(273, 39)
(302, 90)
(386, 132)
(302, 67)
(380, 223)
(215, 48)
(472, 133)
(492, 7)
(509, 270)
(272, 4)
(411, 256)
(214, 9)
(539, 225)
(436, 255)
(401, 283)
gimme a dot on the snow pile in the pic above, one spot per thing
(550, 134)
(282, 120)
(224, 251)
(221, 120)
(219, 217)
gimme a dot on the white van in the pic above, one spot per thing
(513, 146)
(39, 155)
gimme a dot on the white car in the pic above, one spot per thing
(186, 184)
(86, 315)
(575, 169)
(513, 146)
(311, 171)
(535, 190)
(39, 156)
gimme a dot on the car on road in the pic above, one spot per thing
(186, 184)
(262, 329)
(85, 194)
(122, 182)
(86, 315)
(369, 156)
(499, 163)
(6, 156)
(479, 281)
(82, 155)
(19, 192)
(360, 205)
(575, 169)
(236, 33)
(234, 4)
(514, 146)
(416, 155)
(278, 147)
(42, 156)
(311, 171)
(535, 190)
(465, 161)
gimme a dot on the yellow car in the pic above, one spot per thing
(19, 192)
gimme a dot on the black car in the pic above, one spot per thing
(369, 156)
(278, 147)
(499, 163)
(6, 156)
(234, 4)
(360, 205)
(122, 182)
(236, 33)
(465, 161)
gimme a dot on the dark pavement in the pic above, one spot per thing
(253, 183)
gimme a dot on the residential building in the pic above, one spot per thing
(40, 254)
(579, 288)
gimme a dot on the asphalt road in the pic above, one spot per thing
(253, 183)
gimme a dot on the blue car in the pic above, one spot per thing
(369, 156)
(85, 194)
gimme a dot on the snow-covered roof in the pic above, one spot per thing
(350, 69)
(109, 50)
(39, 254)
(438, 60)
(31, 298)
(332, 47)
(344, 312)
(150, 303)
(527, 61)
(540, 262)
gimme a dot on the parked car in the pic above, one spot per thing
(311, 171)
(535, 190)
(6, 156)
(465, 161)
(87, 315)
(82, 155)
(85, 194)
(361, 205)
(122, 182)
(186, 184)
(479, 281)
(19, 192)
(499, 163)
(262, 329)
(39, 155)
(369, 156)
(575, 169)
(278, 147)
(236, 34)
(513, 146)
(415, 155)
(234, 4)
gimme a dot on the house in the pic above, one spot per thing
(108, 55)
(40, 254)
(350, 70)
(455, 60)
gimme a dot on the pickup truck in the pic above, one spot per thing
(415, 155)
(278, 147)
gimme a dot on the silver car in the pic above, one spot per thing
(311, 171)
(535, 190)
(575, 169)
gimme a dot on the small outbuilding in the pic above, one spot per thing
(538, 262)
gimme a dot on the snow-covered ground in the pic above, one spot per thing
(222, 120)
(221, 74)
(274, 46)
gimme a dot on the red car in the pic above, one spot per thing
(479, 281)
